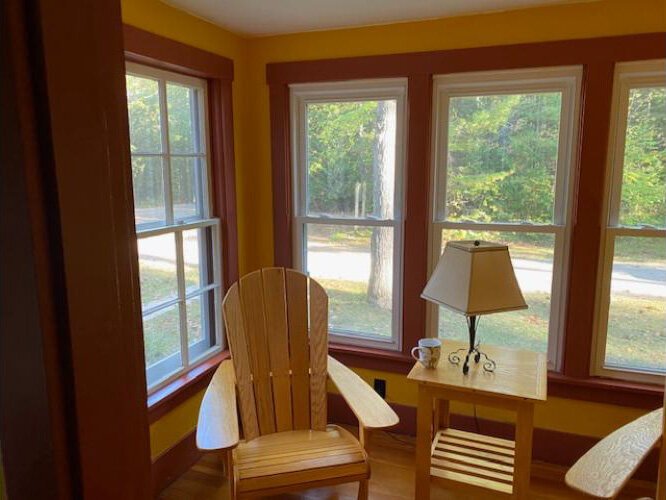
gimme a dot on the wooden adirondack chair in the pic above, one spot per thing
(604, 470)
(277, 326)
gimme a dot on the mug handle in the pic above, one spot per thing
(415, 349)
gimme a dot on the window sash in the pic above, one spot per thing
(177, 231)
(163, 367)
(628, 76)
(565, 80)
(557, 287)
(599, 366)
(201, 132)
(350, 91)
(166, 370)
(354, 337)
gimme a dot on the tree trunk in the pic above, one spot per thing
(383, 172)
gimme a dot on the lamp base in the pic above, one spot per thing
(455, 357)
(475, 353)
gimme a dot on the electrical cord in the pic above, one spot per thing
(408, 442)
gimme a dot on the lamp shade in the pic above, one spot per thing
(475, 278)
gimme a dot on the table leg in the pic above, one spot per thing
(423, 443)
(440, 418)
(228, 458)
(523, 457)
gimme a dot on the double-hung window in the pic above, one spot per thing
(503, 146)
(631, 321)
(177, 238)
(348, 157)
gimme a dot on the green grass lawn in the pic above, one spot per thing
(350, 310)
(161, 330)
(636, 326)
(158, 283)
(636, 335)
(161, 334)
(527, 329)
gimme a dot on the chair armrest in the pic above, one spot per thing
(370, 409)
(218, 417)
(608, 465)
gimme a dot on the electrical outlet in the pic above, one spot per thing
(380, 387)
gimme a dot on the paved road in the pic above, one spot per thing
(533, 275)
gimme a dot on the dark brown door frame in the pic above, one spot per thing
(34, 431)
(73, 418)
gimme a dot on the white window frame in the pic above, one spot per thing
(348, 91)
(178, 227)
(628, 76)
(566, 80)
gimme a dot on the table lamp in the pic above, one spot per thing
(474, 278)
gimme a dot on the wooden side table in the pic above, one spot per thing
(469, 460)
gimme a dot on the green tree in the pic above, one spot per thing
(146, 137)
(502, 157)
(644, 173)
(340, 148)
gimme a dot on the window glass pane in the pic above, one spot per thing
(148, 190)
(644, 171)
(198, 255)
(161, 336)
(502, 157)
(185, 188)
(144, 115)
(637, 316)
(157, 269)
(182, 108)
(355, 266)
(195, 323)
(532, 258)
(351, 148)
(201, 324)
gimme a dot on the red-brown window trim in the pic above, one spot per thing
(184, 387)
(598, 56)
(153, 50)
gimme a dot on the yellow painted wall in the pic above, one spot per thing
(175, 425)
(252, 137)
(557, 414)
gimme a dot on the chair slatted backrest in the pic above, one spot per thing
(277, 325)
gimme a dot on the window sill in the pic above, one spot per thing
(606, 390)
(372, 358)
(187, 385)
(593, 389)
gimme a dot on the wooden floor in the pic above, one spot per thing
(392, 463)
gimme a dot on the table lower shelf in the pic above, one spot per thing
(473, 459)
